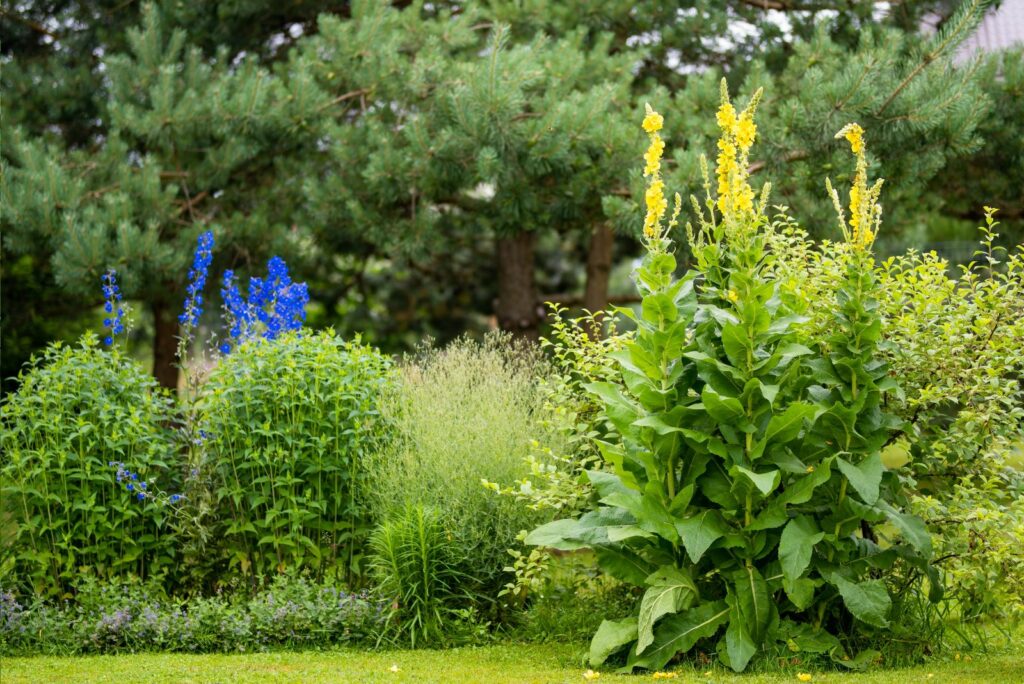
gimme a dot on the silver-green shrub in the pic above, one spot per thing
(459, 416)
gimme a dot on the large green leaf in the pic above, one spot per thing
(606, 483)
(802, 488)
(799, 591)
(700, 532)
(739, 645)
(797, 544)
(610, 637)
(865, 477)
(678, 633)
(785, 426)
(558, 534)
(650, 512)
(723, 409)
(623, 564)
(753, 601)
(867, 600)
(911, 527)
(670, 590)
(763, 482)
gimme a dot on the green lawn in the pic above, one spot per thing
(487, 665)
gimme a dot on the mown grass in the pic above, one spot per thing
(487, 665)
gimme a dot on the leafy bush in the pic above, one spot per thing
(954, 343)
(118, 616)
(460, 416)
(285, 423)
(416, 564)
(748, 490)
(80, 411)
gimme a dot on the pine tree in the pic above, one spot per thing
(460, 150)
(188, 142)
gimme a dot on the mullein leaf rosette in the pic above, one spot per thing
(743, 487)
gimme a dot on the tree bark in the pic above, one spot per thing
(517, 310)
(599, 268)
(165, 346)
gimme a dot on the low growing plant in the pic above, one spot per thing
(416, 564)
(747, 496)
(119, 616)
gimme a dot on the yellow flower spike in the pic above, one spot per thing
(654, 196)
(865, 213)
(653, 121)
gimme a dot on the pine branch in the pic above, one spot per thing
(960, 25)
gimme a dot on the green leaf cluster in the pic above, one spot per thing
(286, 423)
(62, 515)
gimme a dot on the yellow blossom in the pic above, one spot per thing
(803, 677)
(726, 116)
(590, 674)
(652, 156)
(745, 131)
(810, 469)
(394, 668)
(855, 135)
(664, 675)
(735, 196)
(653, 121)
(732, 296)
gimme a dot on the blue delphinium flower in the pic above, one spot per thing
(197, 281)
(112, 307)
(275, 305)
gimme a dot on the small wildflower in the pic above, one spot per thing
(590, 674)
(810, 469)
(394, 668)
(804, 676)
(175, 498)
(664, 675)
(732, 296)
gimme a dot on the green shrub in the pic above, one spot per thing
(459, 416)
(77, 411)
(286, 422)
(416, 565)
(953, 340)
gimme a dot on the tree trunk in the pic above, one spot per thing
(517, 309)
(599, 268)
(165, 346)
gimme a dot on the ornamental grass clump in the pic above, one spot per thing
(744, 491)
(284, 426)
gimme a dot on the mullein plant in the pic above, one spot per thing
(744, 489)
